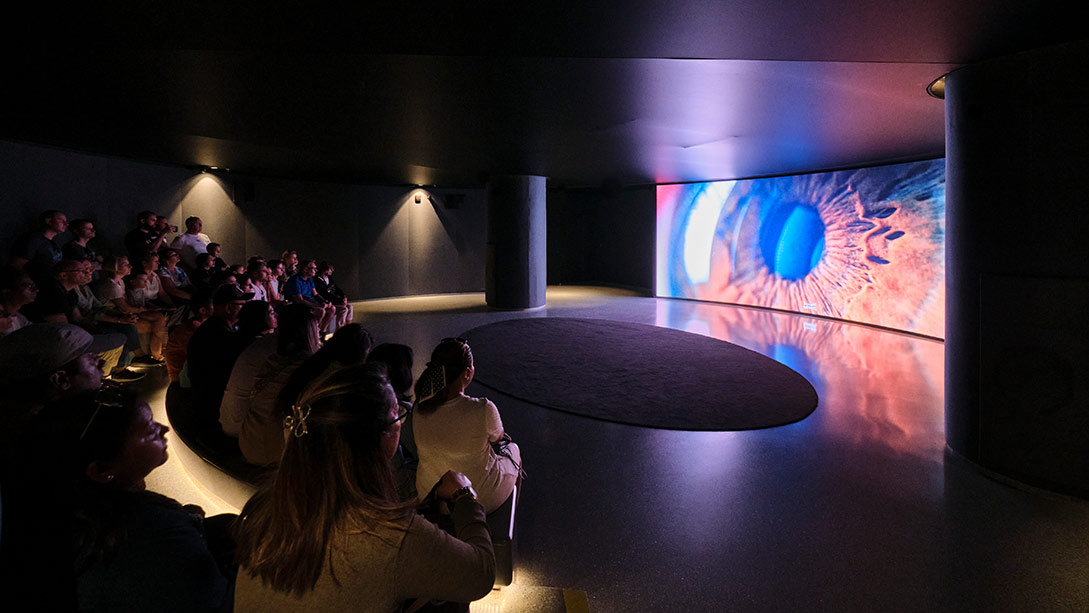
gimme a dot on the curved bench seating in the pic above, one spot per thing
(207, 439)
(501, 527)
(208, 442)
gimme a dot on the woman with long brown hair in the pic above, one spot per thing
(458, 432)
(327, 530)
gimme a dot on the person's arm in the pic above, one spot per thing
(164, 296)
(492, 423)
(158, 244)
(273, 291)
(437, 566)
(122, 304)
(168, 286)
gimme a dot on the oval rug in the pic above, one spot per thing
(638, 374)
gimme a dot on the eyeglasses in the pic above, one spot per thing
(402, 414)
(106, 396)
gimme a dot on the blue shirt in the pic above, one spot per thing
(297, 286)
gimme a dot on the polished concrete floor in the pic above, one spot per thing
(857, 507)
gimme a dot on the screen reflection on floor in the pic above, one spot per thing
(873, 384)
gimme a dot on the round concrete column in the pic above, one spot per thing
(1017, 266)
(516, 268)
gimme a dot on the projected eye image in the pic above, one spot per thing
(864, 245)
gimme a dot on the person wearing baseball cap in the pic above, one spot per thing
(212, 351)
(43, 363)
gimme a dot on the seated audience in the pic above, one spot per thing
(136, 290)
(83, 230)
(349, 345)
(191, 243)
(175, 282)
(153, 289)
(397, 360)
(224, 277)
(324, 286)
(297, 327)
(145, 239)
(456, 432)
(17, 290)
(213, 349)
(256, 319)
(275, 286)
(364, 550)
(202, 275)
(177, 345)
(290, 260)
(44, 363)
(40, 252)
(101, 317)
(112, 290)
(245, 283)
(217, 262)
(40, 364)
(134, 549)
(300, 289)
(57, 302)
(252, 413)
(257, 271)
(163, 227)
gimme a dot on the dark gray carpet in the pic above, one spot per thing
(638, 374)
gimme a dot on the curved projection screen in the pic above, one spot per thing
(865, 245)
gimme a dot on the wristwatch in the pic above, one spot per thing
(463, 492)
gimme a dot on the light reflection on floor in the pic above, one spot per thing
(855, 507)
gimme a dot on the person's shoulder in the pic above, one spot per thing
(477, 403)
(72, 248)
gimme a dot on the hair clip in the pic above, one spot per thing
(296, 422)
(432, 381)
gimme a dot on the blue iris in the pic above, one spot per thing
(791, 239)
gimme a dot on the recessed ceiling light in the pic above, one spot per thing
(937, 88)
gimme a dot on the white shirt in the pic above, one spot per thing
(239, 392)
(190, 246)
(259, 292)
(457, 436)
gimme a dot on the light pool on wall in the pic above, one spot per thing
(864, 245)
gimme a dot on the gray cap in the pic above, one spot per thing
(40, 349)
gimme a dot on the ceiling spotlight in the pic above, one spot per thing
(937, 88)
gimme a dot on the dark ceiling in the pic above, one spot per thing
(600, 93)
